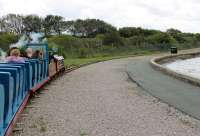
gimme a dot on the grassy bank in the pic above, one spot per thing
(69, 62)
(83, 50)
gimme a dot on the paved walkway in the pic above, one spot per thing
(100, 100)
(182, 95)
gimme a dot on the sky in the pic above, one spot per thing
(150, 14)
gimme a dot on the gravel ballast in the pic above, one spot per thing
(100, 100)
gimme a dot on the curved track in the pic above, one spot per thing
(100, 100)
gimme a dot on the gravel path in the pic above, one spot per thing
(100, 100)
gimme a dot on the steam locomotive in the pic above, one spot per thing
(18, 81)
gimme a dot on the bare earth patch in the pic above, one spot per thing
(100, 100)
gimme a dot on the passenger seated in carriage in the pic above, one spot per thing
(15, 56)
(29, 53)
(39, 54)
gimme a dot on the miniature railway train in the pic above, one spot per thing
(19, 80)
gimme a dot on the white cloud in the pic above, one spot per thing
(156, 14)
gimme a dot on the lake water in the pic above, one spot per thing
(190, 67)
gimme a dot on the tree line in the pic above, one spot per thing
(53, 25)
(90, 37)
(90, 28)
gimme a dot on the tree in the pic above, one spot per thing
(79, 29)
(2, 25)
(173, 32)
(58, 24)
(176, 34)
(161, 38)
(113, 38)
(197, 37)
(128, 32)
(32, 23)
(89, 27)
(53, 24)
(69, 27)
(96, 26)
(6, 39)
(12, 23)
(136, 31)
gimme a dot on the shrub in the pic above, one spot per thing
(83, 53)
(6, 39)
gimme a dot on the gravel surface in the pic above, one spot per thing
(100, 100)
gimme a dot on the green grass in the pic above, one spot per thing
(81, 61)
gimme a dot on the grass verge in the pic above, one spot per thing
(69, 62)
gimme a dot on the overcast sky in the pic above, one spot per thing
(153, 14)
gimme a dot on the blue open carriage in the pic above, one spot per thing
(44, 62)
(21, 81)
(17, 81)
(2, 108)
(8, 82)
